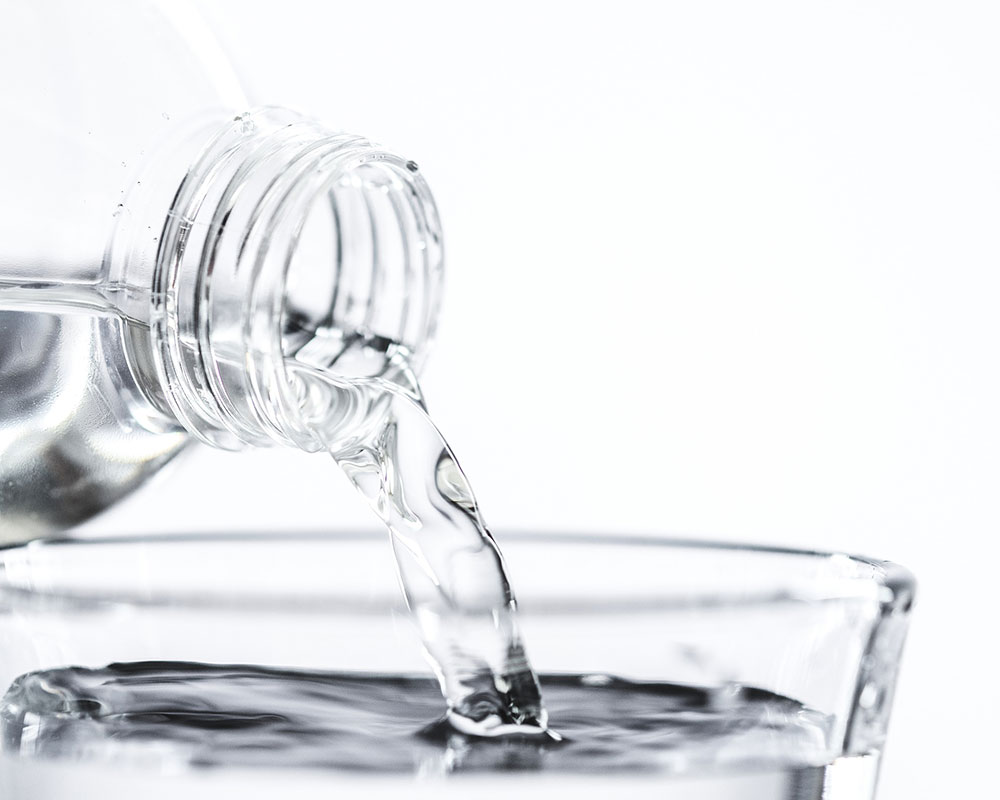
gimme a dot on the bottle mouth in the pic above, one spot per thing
(358, 269)
(287, 245)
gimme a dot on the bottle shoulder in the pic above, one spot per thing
(90, 92)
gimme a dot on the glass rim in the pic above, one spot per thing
(894, 584)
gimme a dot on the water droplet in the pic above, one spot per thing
(412, 166)
(246, 123)
(869, 696)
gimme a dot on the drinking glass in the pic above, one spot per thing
(824, 630)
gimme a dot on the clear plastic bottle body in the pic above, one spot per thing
(89, 90)
(162, 252)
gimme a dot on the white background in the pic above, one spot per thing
(723, 269)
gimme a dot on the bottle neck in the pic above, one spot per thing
(284, 241)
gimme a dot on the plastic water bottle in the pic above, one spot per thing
(164, 248)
